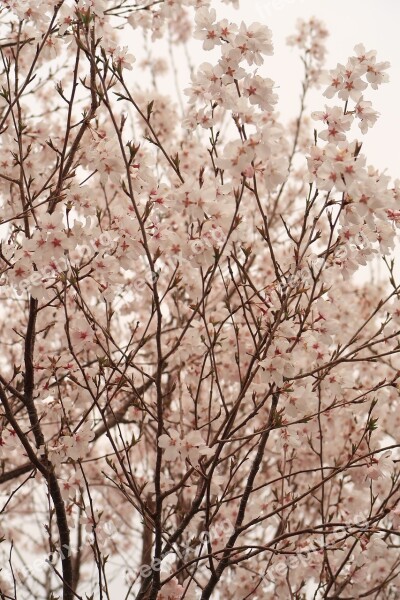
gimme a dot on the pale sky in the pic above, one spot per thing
(373, 23)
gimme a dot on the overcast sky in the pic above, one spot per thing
(375, 24)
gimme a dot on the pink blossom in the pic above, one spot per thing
(383, 467)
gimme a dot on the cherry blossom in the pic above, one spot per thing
(254, 41)
(122, 59)
(382, 467)
(189, 448)
(199, 366)
(207, 29)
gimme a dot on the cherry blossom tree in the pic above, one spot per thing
(199, 394)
